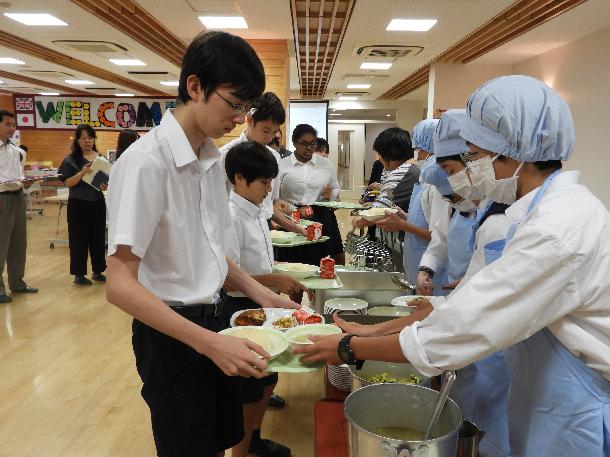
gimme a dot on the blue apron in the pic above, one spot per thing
(557, 405)
(414, 246)
(460, 242)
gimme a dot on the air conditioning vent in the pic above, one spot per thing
(354, 77)
(22, 89)
(102, 90)
(353, 93)
(387, 51)
(96, 47)
(48, 73)
(152, 75)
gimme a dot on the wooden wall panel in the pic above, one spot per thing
(55, 144)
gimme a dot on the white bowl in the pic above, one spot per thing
(270, 339)
(298, 336)
(404, 303)
(376, 214)
(277, 236)
(296, 270)
(389, 311)
(342, 304)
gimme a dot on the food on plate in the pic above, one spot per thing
(284, 322)
(381, 378)
(254, 317)
(304, 317)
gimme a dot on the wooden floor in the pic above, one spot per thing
(68, 382)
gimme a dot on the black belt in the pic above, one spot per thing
(12, 192)
(205, 310)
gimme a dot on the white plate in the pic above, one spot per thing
(296, 270)
(277, 236)
(293, 335)
(276, 342)
(389, 311)
(404, 302)
(271, 314)
(345, 304)
(376, 214)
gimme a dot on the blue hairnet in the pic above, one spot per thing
(436, 176)
(520, 117)
(447, 139)
(423, 134)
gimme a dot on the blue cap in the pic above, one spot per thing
(520, 117)
(423, 135)
(447, 139)
(436, 176)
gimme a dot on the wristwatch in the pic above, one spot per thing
(346, 354)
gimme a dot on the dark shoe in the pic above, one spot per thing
(82, 281)
(98, 277)
(276, 401)
(268, 448)
(5, 299)
(26, 290)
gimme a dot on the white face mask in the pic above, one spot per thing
(461, 185)
(465, 206)
(484, 181)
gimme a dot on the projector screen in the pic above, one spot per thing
(314, 113)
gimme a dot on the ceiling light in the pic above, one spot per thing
(123, 95)
(376, 65)
(48, 93)
(79, 82)
(358, 86)
(336, 114)
(411, 25)
(128, 62)
(224, 22)
(11, 61)
(169, 83)
(1, 82)
(388, 115)
(35, 19)
(347, 97)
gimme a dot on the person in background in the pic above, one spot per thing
(13, 236)
(322, 147)
(86, 209)
(395, 150)
(264, 119)
(167, 241)
(306, 178)
(378, 174)
(126, 138)
(276, 144)
(25, 149)
(544, 295)
(251, 168)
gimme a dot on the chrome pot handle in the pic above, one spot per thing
(388, 450)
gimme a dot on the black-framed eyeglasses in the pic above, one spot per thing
(307, 145)
(239, 109)
(470, 156)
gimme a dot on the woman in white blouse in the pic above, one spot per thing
(306, 178)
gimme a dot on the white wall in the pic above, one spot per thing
(580, 71)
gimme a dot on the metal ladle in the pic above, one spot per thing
(448, 380)
(400, 279)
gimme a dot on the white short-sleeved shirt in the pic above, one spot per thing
(172, 210)
(303, 183)
(275, 189)
(553, 274)
(253, 250)
(11, 158)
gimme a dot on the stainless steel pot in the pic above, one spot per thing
(399, 405)
(360, 378)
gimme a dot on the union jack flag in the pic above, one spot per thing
(24, 104)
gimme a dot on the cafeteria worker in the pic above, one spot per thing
(545, 294)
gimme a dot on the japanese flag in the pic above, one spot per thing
(25, 120)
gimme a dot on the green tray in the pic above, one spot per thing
(300, 240)
(339, 205)
(289, 363)
(319, 283)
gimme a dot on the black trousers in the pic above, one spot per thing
(86, 232)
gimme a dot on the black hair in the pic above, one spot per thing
(302, 129)
(552, 165)
(269, 107)
(77, 152)
(251, 160)
(457, 157)
(321, 144)
(219, 58)
(126, 138)
(4, 113)
(394, 144)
